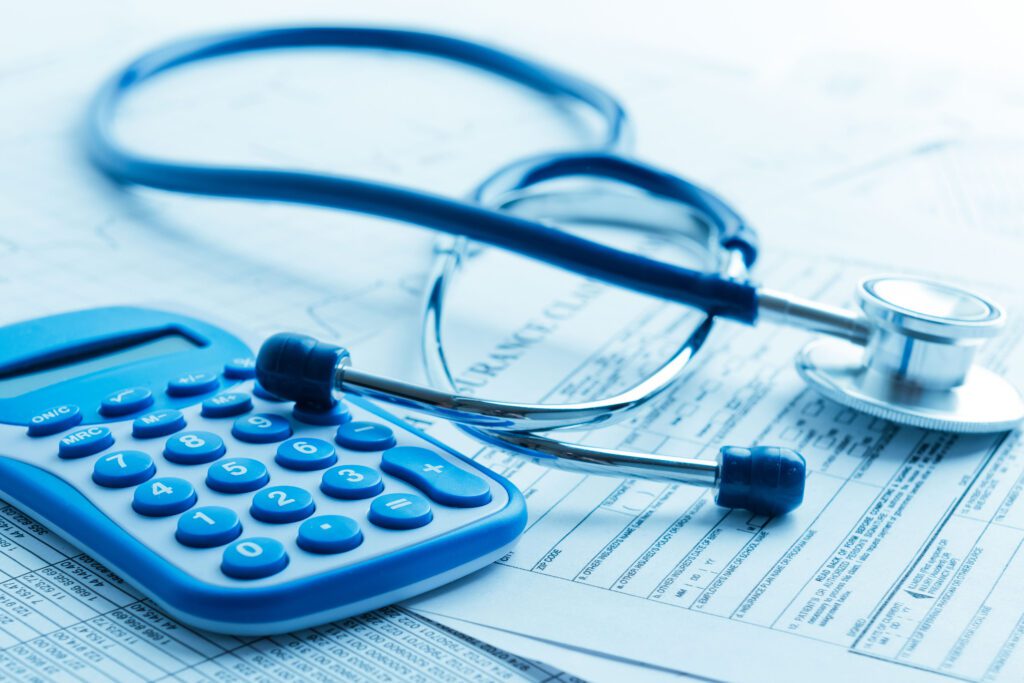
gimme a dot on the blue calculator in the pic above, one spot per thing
(141, 437)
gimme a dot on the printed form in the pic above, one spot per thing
(905, 557)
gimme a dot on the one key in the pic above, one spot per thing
(365, 436)
(444, 482)
(400, 511)
(194, 448)
(261, 428)
(54, 420)
(282, 504)
(126, 401)
(240, 368)
(305, 454)
(329, 534)
(164, 497)
(193, 384)
(122, 469)
(227, 405)
(85, 441)
(238, 475)
(351, 482)
(254, 558)
(158, 423)
(208, 527)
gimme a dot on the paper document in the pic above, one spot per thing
(905, 557)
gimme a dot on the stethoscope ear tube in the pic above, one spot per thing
(765, 480)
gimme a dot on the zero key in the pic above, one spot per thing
(442, 481)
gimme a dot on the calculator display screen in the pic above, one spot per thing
(37, 376)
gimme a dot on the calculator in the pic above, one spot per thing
(142, 437)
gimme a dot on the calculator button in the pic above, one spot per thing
(260, 392)
(305, 454)
(85, 441)
(444, 482)
(194, 448)
(254, 558)
(365, 436)
(240, 368)
(126, 401)
(261, 428)
(329, 534)
(207, 527)
(400, 511)
(335, 415)
(157, 423)
(227, 405)
(193, 384)
(54, 420)
(351, 482)
(164, 497)
(123, 468)
(282, 504)
(238, 475)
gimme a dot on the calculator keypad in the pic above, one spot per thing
(266, 490)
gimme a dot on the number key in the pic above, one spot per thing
(261, 428)
(194, 448)
(254, 558)
(164, 497)
(351, 482)
(207, 527)
(305, 454)
(238, 475)
(282, 504)
(122, 469)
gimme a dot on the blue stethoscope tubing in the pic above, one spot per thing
(717, 295)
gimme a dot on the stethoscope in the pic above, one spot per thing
(906, 356)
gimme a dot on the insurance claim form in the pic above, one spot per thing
(904, 561)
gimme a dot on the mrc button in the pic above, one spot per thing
(86, 441)
(444, 482)
(54, 420)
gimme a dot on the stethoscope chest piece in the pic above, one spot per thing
(917, 365)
